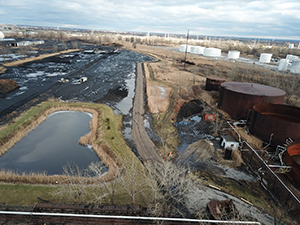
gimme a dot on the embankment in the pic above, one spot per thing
(35, 116)
(40, 57)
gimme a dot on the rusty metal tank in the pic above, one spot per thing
(236, 98)
(292, 158)
(280, 121)
(214, 83)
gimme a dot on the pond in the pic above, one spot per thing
(52, 145)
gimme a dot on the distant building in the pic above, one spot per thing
(8, 42)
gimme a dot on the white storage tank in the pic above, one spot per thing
(291, 46)
(193, 49)
(197, 50)
(1, 35)
(284, 65)
(201, 50)
(265, 57)
(212, 52)
(233, 54)
(182, 48)
(295, 67)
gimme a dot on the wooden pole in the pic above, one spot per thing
(186, 47)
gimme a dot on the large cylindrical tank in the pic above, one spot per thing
(292, 158)
(265, 57)
(197, 50)
(212, 52)
(295, 67)
(284, 65)
(1, 35)
(183, 48)
(236, 98)
(233, 54)
(214, 83)
(275, 121)
(193, 49)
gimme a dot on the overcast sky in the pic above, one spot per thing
(247, 18)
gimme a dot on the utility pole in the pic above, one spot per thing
(186, 47)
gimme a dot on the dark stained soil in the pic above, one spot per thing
(105, 68)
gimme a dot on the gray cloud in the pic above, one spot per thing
(276, 18)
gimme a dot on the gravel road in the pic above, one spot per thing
(144, 144)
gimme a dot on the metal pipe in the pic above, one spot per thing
(127, 217)
(271, 171)
(235, 131)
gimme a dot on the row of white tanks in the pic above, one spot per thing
(209, 52)
(291, 62)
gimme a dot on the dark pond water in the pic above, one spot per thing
(52, 145)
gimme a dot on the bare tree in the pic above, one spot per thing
(87, 186)
(171, 189)
(54, 48)
(4, 51)
(23, 51)
(103, 191)
(74, 45)
(133, 181)
(74, 190)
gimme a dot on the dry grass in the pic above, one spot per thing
(31, 59)
(237, 158)
(158, 97)
(2, 69)
(253, 141)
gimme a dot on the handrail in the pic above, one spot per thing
(235, 131)
(127, 217)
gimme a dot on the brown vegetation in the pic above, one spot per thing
(2, 69)
(7, 85)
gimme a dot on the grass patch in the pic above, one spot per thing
(24, 195)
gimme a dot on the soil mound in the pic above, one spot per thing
(197, 153)
(189, 108)
(7, 85)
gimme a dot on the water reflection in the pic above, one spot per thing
(51, 145)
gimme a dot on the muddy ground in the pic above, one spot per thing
(106, 72)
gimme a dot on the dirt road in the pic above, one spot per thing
(144, 144)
